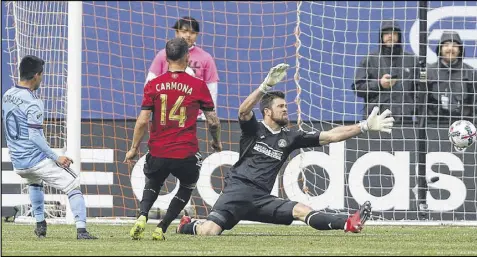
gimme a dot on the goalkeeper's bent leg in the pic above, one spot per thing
(325, 221)
(177, 204)
(206, 228)
(318, 220)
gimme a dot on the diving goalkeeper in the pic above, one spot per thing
(264, 148)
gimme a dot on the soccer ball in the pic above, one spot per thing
(462, 134)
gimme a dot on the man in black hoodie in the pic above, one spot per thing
(388, 77)
(452, 84)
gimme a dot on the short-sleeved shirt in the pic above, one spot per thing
(200, 62)
(175, 99)
(264, 151)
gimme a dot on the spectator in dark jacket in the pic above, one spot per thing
(452, 84)
(388, 77)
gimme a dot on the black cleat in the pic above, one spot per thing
(365, 212)
(40, 230)
(84, 235)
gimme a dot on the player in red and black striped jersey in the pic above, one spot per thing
(174, 99)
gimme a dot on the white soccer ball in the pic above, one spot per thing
(462, 134)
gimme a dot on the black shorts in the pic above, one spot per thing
(240, 201)
(186, 170)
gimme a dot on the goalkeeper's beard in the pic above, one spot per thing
(280, 121)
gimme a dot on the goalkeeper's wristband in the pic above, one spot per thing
(264, 87)
(363, 125)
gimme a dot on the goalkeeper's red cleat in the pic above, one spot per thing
(184, 220)
(356, 222)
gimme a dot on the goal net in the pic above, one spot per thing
(343, 58)
(328, 84)
(40, 29)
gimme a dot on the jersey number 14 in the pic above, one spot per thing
(181, 117)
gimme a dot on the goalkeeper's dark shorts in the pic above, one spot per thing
(185, 170)
(241, 201)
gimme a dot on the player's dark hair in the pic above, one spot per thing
(187, 22)
(267, 100)
(30, 65)
(176, 49)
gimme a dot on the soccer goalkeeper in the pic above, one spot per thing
(264, 147)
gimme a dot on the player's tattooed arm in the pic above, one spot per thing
(213, 124)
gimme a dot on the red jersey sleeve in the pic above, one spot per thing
(147, 102)
(206, 102)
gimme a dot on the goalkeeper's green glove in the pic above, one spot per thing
(274, 76)
(381, 123)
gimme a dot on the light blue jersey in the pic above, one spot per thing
(22, 115)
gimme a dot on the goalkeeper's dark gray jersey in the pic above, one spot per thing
(263, 152)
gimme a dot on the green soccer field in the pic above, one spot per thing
(245, 240)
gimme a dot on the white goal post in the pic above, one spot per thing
(73, 118)
(98, 54)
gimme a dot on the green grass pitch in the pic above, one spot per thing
(18, 239)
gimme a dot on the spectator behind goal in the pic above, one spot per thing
(201, 64)
(452, 84)
(387, 78)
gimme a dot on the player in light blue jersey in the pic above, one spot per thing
(32, 157)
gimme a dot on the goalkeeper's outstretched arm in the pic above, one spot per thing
(274, 76)
(383, 122)
(339, 134)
